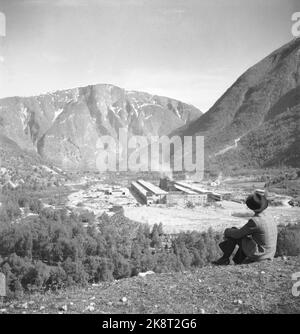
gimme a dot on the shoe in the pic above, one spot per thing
(223, 261)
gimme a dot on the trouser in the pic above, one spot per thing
(228, 246)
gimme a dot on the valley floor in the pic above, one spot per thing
(227, 214)
(255, 288)
(217, 216)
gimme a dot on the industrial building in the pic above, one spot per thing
(172, 194)
(183, 199)
(184, 196)
(196, 188)
(148, 192)
(144, 194)
(158, 194)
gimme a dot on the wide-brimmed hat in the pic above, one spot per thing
(257, 202)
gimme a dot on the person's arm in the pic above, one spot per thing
(238, 233)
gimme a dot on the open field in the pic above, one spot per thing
(229, 214)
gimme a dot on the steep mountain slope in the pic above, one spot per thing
(25, 119)
(256, 121)
(64, 126)
(18, 166)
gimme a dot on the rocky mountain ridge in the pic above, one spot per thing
(256, 121)
(64, 126)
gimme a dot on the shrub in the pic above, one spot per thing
(189, 205)
(288, 242)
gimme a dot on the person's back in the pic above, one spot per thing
(257, 239)
(265, 236)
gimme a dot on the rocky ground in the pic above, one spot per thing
(255, 288)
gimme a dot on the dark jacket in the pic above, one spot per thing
(259, 237)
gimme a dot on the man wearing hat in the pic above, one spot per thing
(256, 240)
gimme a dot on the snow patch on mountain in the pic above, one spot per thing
(24, 116)
(57, 113)
(230, 147)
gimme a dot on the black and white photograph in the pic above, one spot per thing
(149, 160)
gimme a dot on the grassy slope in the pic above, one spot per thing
(255, 288)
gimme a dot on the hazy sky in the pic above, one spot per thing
(191, 50)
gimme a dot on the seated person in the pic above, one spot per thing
(256, 240)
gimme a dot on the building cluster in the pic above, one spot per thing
(174, 193)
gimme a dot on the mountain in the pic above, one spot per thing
(64, 126)
(19, 167)
(257, 121)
